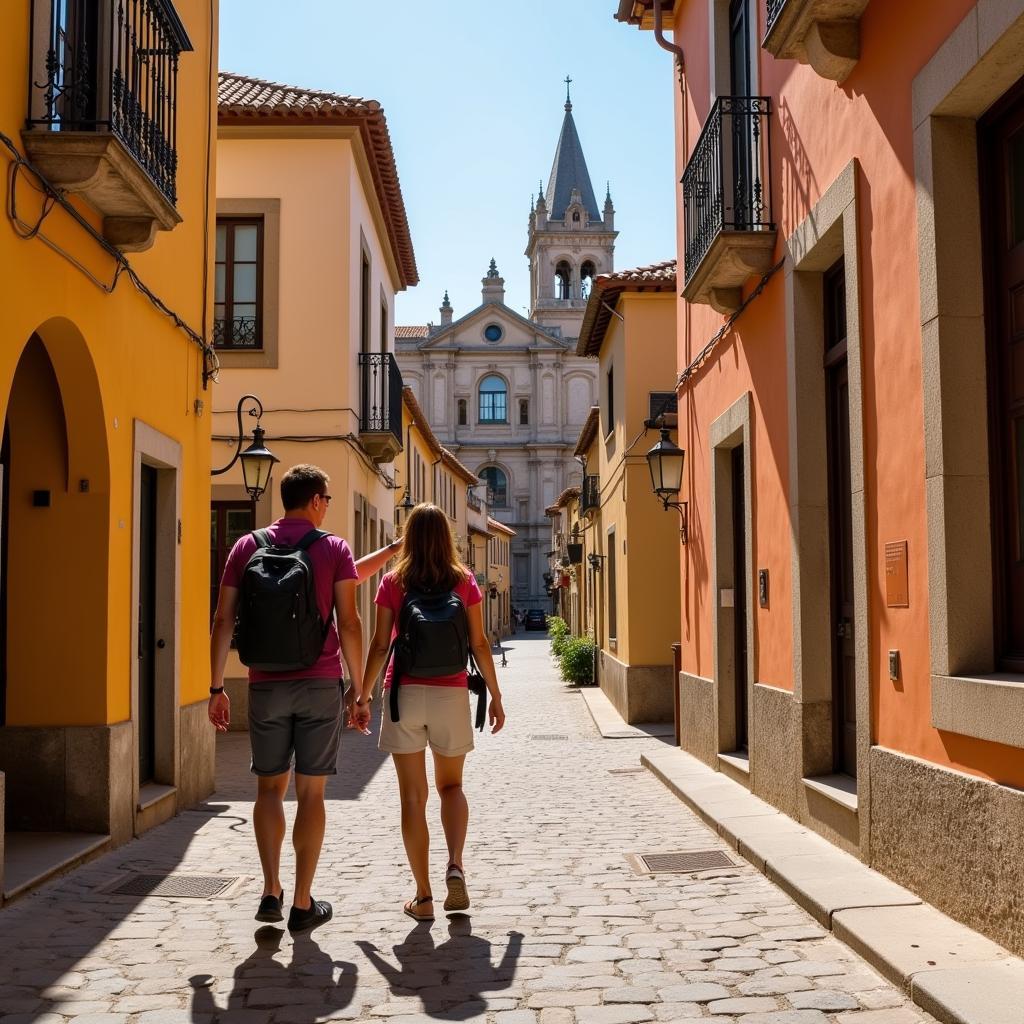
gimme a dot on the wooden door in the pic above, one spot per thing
(840, 523)
(1002, 142)
(739, 578)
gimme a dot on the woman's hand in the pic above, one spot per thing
(496, 714)
(361, 717)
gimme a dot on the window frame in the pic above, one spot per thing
(219, 550)
(492, 492)
(231, 222)
(481, 417)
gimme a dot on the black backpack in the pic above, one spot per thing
(280, 628)
(433, 640)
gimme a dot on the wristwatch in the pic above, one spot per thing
(214, 690)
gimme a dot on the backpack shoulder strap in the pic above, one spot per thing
(310, 539)
(262, 538)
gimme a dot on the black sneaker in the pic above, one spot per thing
(270, 908)
(318, 913)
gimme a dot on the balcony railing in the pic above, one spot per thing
(380, 414)
(726, 186)
(590, 495)
(111, 67)
(473, 501)
(774, 10)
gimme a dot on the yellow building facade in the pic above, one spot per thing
(629, 327)
(105, 456)
(311, 245)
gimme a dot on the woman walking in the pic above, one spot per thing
(436, 602)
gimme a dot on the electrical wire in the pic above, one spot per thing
(54, 197)
(706, 351)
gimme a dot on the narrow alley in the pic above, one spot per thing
(562, 929)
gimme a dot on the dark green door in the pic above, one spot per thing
(147, 625)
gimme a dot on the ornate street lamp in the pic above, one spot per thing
(257, 460)
(665, 461)
(407, 504)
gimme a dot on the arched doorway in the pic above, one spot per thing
(54, 593)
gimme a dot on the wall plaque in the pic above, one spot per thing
(897, 592)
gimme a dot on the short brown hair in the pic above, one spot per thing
(301, 484)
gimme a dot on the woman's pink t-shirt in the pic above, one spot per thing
(391, 595)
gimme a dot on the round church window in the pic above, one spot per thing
(492, 332)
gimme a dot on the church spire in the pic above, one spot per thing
(569, 170)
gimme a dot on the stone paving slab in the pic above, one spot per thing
(562, 929)
(610, 724)
(993, 993)
(911, 943)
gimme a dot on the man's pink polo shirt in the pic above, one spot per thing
(332, 562)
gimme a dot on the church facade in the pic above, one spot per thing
(507, 393)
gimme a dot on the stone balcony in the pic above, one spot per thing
(822, 33)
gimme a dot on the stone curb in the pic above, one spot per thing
(610, 724)
(957, 975)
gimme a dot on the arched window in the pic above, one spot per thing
(497, 486)
(587, 274)
(493, 400)
(563, 277)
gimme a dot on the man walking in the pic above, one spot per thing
(289, 582)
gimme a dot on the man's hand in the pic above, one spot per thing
(361, 718)
(350, 705)
(496, 713)
(220, 711)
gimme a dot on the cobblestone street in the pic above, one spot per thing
(561, 931)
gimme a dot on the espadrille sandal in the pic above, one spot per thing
(458, 895)
(409, 908)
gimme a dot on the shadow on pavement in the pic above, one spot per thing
(450, 979)
(308, 986)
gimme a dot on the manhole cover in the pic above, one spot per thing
(550, 736)
(683, 861)
(197, 887)
(626, 771)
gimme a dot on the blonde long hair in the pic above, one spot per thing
(429, 559)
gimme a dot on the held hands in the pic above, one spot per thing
(357, 714)
(219, 711)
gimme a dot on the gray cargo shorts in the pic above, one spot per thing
(300, 717)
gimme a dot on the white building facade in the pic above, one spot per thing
(507, 393)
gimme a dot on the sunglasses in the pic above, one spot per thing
(325, 498)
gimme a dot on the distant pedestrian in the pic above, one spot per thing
(429, 618)
(285, 584)
(515, 620)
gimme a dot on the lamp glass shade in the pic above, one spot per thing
(257, 465)
(665, 461)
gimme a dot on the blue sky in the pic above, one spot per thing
(473, 95)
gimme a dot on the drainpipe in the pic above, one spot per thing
(674, 48)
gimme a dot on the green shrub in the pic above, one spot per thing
(577, 660)
(558, 631)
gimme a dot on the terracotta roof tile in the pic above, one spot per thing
(245, 100)
(656, 277)
(418, 331)
(589, 431)
(500, 527)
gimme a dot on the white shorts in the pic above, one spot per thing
(434, 716)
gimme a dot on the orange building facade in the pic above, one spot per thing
(851, 217)
(105, 459)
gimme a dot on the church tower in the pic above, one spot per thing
(571, 240)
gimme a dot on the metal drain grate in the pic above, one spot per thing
(548, 736)
(627, 771)
(196, 887)
(684, 861)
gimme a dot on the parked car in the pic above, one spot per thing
(536, 619)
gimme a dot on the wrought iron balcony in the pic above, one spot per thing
(380, 412)
(102, 115)
(727, 202)
(774, 10)
(822, 33)
(590, 495)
